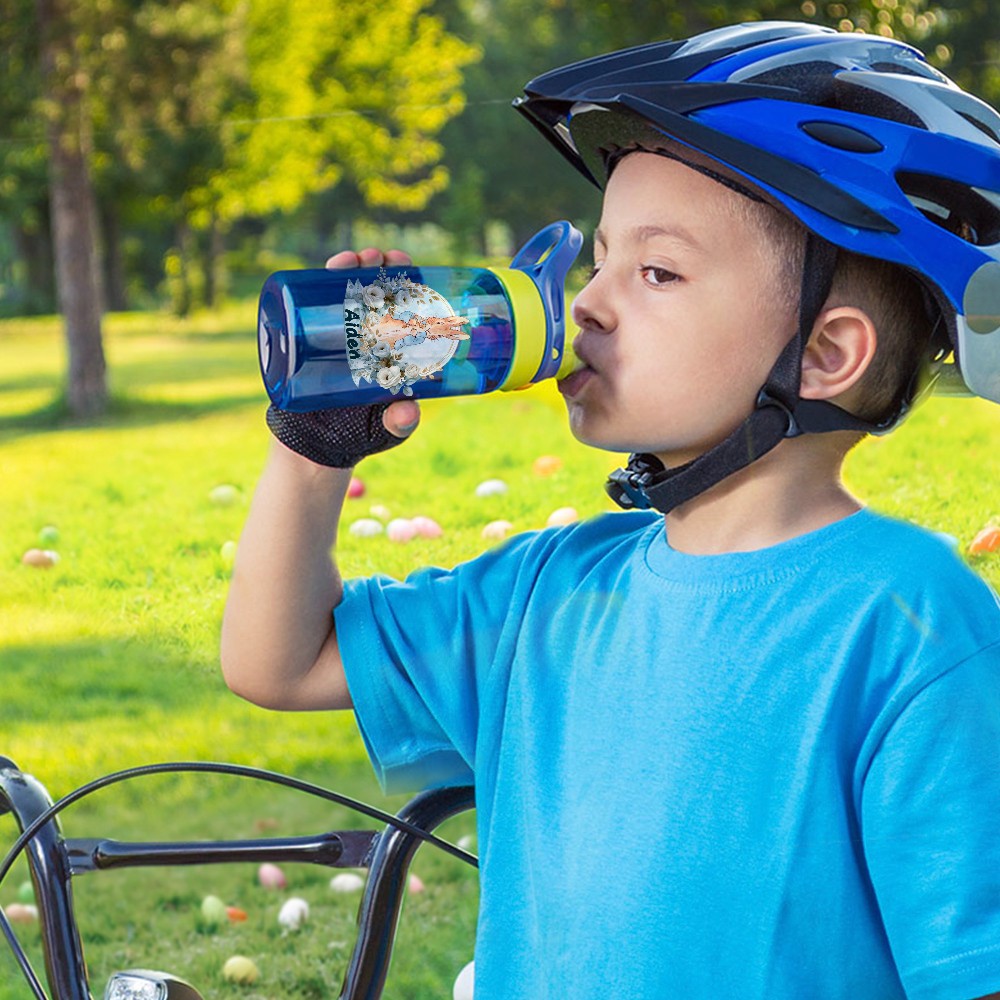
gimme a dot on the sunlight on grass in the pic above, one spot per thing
(110, 658)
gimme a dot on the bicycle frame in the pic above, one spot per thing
(54, 860)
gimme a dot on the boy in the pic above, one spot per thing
(746, 746)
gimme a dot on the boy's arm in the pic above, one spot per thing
(278, 645)
(278, 648)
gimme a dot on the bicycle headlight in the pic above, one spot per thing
(144, 984)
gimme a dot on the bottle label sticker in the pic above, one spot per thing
(398, 331)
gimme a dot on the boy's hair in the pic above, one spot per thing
(892, 298)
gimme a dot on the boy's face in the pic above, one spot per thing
(683, 318)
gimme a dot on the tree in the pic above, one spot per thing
(72, 207)
(356, 90)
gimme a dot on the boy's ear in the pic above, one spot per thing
(838, 352)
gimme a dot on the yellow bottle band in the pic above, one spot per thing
(569, 362)
(528, 313)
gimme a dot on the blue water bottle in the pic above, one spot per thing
(332, 338)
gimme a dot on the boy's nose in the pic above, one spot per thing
(591, 306)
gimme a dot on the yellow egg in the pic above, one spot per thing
(240, 969)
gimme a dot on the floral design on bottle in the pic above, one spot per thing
(398, 331)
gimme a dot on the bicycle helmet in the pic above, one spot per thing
(869, 147)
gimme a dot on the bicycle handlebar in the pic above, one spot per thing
(53, 860)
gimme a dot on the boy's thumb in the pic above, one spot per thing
(402, 417)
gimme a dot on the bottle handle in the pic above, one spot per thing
(546, 258)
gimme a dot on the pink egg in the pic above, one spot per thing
(356, 488)
(427, 527)
(271, 876)
(415, 884)
(400, 529)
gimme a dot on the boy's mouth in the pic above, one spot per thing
(580, 375)
(576, 380)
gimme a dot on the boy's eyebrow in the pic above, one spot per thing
(644, 233)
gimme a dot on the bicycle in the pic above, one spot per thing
(54, 860)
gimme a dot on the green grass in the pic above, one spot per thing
(110, 658)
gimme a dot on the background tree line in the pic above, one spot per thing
(159, 151)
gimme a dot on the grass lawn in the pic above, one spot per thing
(109, 659)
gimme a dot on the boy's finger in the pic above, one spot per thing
(346, 258)
(401, 418)
(369, 257)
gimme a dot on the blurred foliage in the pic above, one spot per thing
(225, 128)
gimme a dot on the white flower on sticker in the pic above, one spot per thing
(374, 296)
(381, 349)
(411, 372)
(389, 376)
(403, 297)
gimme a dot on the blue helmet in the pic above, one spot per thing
(857, 136)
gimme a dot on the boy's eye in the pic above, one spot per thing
(657, 275)
(593, 272)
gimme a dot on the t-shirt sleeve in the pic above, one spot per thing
(421, 654)
(931, 832)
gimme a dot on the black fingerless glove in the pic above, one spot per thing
(339, 437)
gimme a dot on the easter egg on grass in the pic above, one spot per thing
(561, 516)
(465, 982)
(241, 970)
(347, 882)
(236, 915)
(491, 488)
(224, 495)
(987, 540)
(546, 465)
(495, 531)
(400, 529)
(356, 488)
(48, 535)
(271, 876)
(426, 527)
(293, 914)
(21, 913)
(40, 558)
(25, 893)
(366, 527)
(213, 912)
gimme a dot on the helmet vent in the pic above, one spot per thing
(969, 213)
(981, 125)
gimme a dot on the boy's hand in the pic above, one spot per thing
(341, 437)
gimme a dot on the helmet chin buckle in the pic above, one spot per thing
(627, 487)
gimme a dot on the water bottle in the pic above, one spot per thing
(331, 338)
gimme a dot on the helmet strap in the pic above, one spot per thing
(779, 413)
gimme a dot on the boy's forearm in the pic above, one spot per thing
(278, 647)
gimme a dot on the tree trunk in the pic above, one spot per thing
(72, 208)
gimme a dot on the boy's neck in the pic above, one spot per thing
(793, 490)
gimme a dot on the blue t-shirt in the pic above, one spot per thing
(772, 774)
